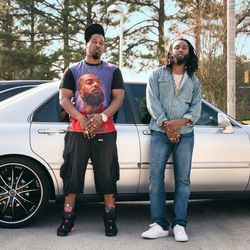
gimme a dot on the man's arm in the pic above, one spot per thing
(65, 96)
(190, 118)
(193, 114)
(152, 99)
(117, 100)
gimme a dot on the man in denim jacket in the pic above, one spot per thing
(174, 102)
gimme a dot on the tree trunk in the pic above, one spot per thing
(197, 28)
(66, 48)
(161, 44)
(8, 41)
(32, 36)
(224, 34)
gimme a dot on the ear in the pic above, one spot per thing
(84, 45)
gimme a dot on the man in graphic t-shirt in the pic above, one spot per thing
(91, 92)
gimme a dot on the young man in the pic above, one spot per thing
(91, 92)
(174, 102)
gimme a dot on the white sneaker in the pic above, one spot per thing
(155, 231)
(179, 233)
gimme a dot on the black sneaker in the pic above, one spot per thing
(109, 223)
(67, 225)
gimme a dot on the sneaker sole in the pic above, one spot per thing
(63, 235)
(181, 240)
(154, 237)
(110, 235)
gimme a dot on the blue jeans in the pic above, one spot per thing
(160, 150)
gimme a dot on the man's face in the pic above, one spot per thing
(91, 90)
(95, 46)
(180, 52)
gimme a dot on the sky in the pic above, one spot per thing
(242, 43)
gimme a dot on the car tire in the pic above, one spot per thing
(24, 191)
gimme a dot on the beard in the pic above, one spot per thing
(96, 55)
(93, 100)
(180, 60)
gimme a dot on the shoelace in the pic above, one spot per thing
(151, 225)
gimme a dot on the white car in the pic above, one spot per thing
(32, 130)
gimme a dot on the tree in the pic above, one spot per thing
(23, 40)
(243, 19)
(203, 21)
(6, 38)
(67, 21)
(140, 34)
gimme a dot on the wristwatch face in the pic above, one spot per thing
(104, 117)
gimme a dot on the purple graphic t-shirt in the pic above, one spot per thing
(92, 87)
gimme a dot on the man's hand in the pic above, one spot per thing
(83, 120)
(172, 125)
(173, 137)
(172, 128)
(94, 121)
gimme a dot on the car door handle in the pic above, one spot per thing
(147, 132)
(51, 131)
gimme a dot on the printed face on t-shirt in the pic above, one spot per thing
(90, 89)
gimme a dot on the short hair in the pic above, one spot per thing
(191, 64)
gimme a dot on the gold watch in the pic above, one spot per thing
(104, 117)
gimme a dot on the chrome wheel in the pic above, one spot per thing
(22, 192)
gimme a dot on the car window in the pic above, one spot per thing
(208, 114)
(51, 111)
(120, 116)
(139, 94)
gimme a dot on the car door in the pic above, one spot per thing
(47, 131)
(142, 118)
(220, 161)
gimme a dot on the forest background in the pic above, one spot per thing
(40, 38)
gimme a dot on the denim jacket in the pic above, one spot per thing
(164, 103)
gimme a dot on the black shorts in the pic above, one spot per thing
(101, 150)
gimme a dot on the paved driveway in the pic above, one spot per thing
(213, 225)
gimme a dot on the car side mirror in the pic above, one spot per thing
(225, 124)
